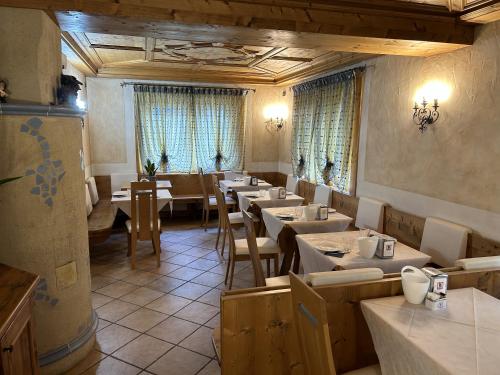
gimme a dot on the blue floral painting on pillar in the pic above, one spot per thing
(50, 172)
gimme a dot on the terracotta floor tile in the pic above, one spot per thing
(181, 259)
(197, 312)
(214, 322)
(173, 330)
(175, 247)
(143, 351)
(179, 361)
(142, 319)
(115, 310)
(168, 304)
(209, 279)
(102, 324)
(197, 252)
(185, 273)
(200, 342)
(214, 255)
(165, 268)
(190, 290)
(112, 366)
(117, 289)
(114, 337)
(203, 264)
(212, 297)
(142, 296)
(90, 360)
(141, 277)
(212, 368)
(166, 284)
(99, 300)
(99, 281)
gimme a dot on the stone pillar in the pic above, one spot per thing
(30, 55)
(43, 225)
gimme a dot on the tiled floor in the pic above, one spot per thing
(159, 320)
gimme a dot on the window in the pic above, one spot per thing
(192, 126)
(326, 129)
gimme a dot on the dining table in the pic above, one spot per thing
(313, 249)
(263, 200)
(463, 339)
(160, 185)
(284, 223)
(240, 185)
(123, 200)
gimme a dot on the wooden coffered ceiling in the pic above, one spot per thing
(254, 41)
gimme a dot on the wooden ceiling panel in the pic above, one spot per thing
(278, 66)
(109, 56)
(118, 40)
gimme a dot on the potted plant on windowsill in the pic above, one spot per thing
(164, 161)
(150, 169)
(301, 167)
(327, 171)
(218, 161)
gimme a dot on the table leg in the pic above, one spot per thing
(288, 246)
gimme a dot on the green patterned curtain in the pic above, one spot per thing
(326, 128)
(190, 125)
(219, 127)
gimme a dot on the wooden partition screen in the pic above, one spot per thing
(258, 335)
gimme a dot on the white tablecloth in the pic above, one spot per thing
(336, 222)
(413, 340)
(315, 261)
(160, 185)
(265, 201)
(124, 203)
(227, 185)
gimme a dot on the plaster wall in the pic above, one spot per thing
(30, 45)
(112, 134)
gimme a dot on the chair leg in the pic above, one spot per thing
(202, 215)
(132, 251)
(207, 216)
(276, 265)
(158, 249)
(225, 229)
(227, 269)
(218, 235)
(268, 264)
(232, 275)
(129, 244)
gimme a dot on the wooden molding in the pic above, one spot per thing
(481, 12)
(71, 43)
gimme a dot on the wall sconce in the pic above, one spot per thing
(276, 115)
(424, 115)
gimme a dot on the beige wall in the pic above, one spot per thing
(458, 159)
(111, 127)
(30, 45)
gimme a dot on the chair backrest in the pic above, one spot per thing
(215, 181)
(323, 195)
(144, 209)
(344, 276)
(253, 249)
(201, 179)
(444, 241)
(370, 214)
(479, 263)
(94, 196)
(291, 183)
(224, 217)
(88, 200)
(119, 179)
(310, 318)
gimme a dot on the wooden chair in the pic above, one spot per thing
(144, 223)
(209, 201)
(253, 249)
(238, 249)
(311, 322)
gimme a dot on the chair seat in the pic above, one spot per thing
(265, 245)
(370, 370)
(213, 202)
(278, 281)
(128, 224)
(237, 217)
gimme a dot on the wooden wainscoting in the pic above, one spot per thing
(258, 334)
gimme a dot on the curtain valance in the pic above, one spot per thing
(169, 89)
(346, 75)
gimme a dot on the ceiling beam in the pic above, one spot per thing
(388, 27)
(483, 12)
(265, 56)
(79, 52)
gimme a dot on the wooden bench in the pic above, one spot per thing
(257, 333)
(100, 221)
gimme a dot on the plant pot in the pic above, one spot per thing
(151, 178)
